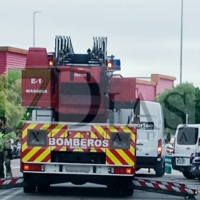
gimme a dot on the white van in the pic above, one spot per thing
(150, 138)
(187, 139)
(150, 152)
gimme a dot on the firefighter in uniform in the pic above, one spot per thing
(6, 134)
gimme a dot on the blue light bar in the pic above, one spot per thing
(116, 64)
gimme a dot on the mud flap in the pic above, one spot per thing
(8, 183)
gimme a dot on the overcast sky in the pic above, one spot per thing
(144, 34)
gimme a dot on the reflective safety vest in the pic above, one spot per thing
(5, 142)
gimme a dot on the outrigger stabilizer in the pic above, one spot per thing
(162, 187)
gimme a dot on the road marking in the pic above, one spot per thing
(13, 194)
(6, 191)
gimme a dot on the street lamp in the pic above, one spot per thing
(34, 26)
(181, 41)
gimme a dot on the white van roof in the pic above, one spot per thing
(150, 108)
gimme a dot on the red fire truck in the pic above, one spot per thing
(80, 126)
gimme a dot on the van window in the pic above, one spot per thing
(187, 136)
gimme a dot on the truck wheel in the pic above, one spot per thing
(29, 189)
(127, 192)
(188, 175)
(125, 189)
(160, 171)
(43, 188)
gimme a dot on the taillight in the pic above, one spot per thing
(33, 167)
(121, 170)
(50, 60)
(159, 148)
(199, 141)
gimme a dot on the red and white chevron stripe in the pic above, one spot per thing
(165, 183)
(167, 187)
(11, 181)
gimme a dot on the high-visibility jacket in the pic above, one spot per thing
(5, 140)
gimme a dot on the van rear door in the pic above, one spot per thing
(186, 140)
(147, 143)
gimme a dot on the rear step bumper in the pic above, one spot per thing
(78, 169)
(147, 162)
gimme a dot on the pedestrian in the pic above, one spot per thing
(6, 134)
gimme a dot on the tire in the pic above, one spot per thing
(126, 192)
(43, 188)
(118, 189)
(29, 189)
(188, 175)
(160, 171)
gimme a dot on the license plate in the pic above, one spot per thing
(75, 168)
(180, 161)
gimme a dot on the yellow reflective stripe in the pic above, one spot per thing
(43, 155)
(31, 153)
(77, 150)
(93, 136)
(132, 150)
(52, 148)
(126, 129)
(112, 157)
(63, 149)
(133, 137)
(112, 129)
(125, 156)
(24, 146)
(45, 126)
(93, 150)
(25, 132)
(102, 132)
(78, 135)
(56, 130)
(63, 135)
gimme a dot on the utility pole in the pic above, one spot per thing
(34, 26)
(181, 41)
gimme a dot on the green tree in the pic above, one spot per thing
(197, 105)
(10, 95)
(13, 75)
(183, 99)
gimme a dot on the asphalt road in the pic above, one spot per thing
(93, 191)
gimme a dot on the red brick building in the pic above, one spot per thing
(157, 83)
(12, 58)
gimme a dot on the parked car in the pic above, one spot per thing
(187, 140)
(195, 163)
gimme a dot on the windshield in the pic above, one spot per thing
(187, 136)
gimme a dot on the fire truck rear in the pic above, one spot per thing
(74, 132)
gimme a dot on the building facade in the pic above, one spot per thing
(147, 88)
(12, 58)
